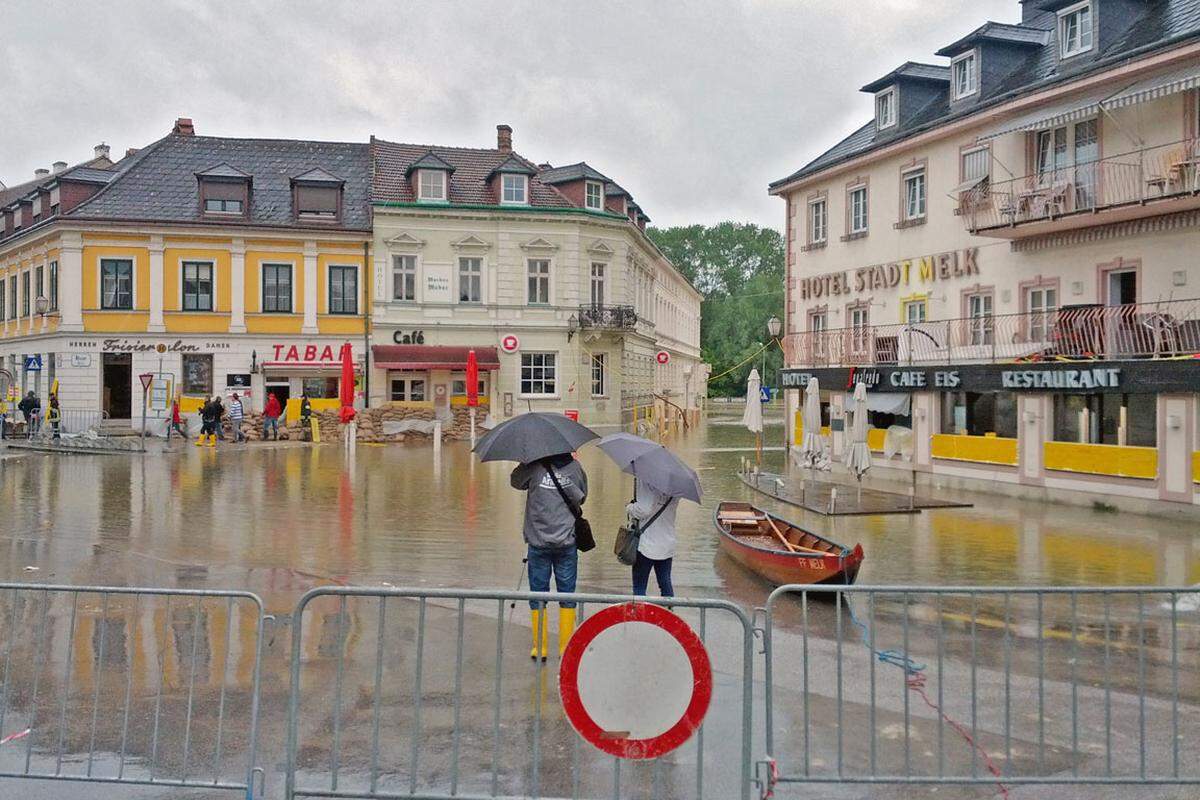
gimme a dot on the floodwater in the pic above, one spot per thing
(280, 521)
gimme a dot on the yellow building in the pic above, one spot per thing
(221, 264)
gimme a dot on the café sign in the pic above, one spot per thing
(908, 273)
(1050, 378)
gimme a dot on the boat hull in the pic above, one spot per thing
(782, 567)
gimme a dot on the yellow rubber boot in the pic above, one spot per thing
(212, 440)
(200, 440)
(540, 627)
(566, 627)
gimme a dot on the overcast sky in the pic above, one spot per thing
(693, 106)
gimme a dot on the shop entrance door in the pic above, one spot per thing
(117, 385)
(281, 388)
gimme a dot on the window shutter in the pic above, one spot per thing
(225, 190)
(317, 199)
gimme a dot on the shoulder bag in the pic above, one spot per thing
(584, 540)
(628, 537)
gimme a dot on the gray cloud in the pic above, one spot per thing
(693, 106)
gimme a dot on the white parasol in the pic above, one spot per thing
(752, 417)
(858, 455)
(812, 446)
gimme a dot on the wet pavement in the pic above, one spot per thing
(280, 521)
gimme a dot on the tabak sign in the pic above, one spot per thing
(307, 354)
(908, 272)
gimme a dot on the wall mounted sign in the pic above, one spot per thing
(509, 343)
(237, 380)
(307, 354)
(908, 273)
(412, 337)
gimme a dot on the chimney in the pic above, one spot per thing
(504, 138)
(100, 151)
(130, 151)
(184, 127)
(41, 173)
(59, 166)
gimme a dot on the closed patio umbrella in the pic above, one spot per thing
(858, 455)
(346, 386)
(812, 446)
(752, 417)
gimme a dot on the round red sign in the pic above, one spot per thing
(510, 343)
(663, 357)
(652, 715)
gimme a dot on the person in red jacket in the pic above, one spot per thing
(176, 421)
(271, 416)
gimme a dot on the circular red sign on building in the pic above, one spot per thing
(663, 357)
(510, 343)
(635, 681)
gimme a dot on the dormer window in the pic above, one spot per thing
(514, 189)
(1075, 30)
(964, 72)
(594, 196)
(224, 191)
(885, 108)
(317, 196)
(431, 186)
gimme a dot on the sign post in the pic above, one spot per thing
(146, 378)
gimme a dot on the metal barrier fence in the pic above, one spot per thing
(420, 693)
(72, 423)
(114, 685)
(963, 686)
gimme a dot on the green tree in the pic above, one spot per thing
(739, 268)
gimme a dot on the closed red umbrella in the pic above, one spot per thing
(472, 380)
(346, 389)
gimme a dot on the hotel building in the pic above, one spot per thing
(1004, 256)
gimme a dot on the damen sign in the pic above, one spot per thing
(906, 273)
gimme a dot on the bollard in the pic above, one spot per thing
(912, 498)
(437, 439)
(832, 500)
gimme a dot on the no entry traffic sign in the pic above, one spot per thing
(635, 681)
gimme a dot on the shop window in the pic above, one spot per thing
(599, 374)
(1130, 419)
(539, 373)
(980, 413)
(197, 286)
(116, 284)
(198, 374)
(458, 385)
(343, 289)
(277, 288)
(320, 388)
(470, 280)
(408, 390)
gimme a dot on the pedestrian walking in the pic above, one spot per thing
(654, 515)
(30, 407)
(219, 415)
(271, 417)
(555, 489)
(55, 417)
(236, 415)
(175, 423)
(209, 419)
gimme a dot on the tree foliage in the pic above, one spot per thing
(739, 268)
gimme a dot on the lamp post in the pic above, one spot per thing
(774, 327)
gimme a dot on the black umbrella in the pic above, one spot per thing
(533, 436)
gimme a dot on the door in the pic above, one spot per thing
(280, 387)
(1124, 335)
(117, 385)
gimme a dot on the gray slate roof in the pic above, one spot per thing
(913, 71)
(571, 172)
(1162, 24)
(1021, 35)
(160, 185)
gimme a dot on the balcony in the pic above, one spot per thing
(602, 317)
(1141, 183)
(1137, 331)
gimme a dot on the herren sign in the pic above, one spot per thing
(907, 273)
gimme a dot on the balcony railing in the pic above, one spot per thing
(621, 318)
(1068, 196)
(1143, 330)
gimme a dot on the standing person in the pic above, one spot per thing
(55, 416)
(30, 407)
(176, 421)
(654, 514)
(209, 419)
(236, 414)
(271, 417)
(306, 416)
(218, 415)
(550, 534)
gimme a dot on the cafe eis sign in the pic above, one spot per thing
(909, 272)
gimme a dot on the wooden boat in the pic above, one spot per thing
(756, 540)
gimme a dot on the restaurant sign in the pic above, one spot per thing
(907, 273)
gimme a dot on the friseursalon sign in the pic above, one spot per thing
(911, 272)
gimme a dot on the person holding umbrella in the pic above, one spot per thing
(555, 487)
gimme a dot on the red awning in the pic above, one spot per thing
(429, 356)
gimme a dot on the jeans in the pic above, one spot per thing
(562, 561)
(270, 424)
(662, 574)
(235, 425)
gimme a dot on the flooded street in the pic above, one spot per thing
(280, 521)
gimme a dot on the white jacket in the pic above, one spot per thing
(657, 541)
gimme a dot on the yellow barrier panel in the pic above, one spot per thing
(981, 449)
(1196, 467)
(1102, 459)
(316, 429)
(875, 437)
(190, 405)
(798, 436)
(292, 412)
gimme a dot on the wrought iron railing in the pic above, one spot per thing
(1140, 330)
(611, 317)
(1058, 191)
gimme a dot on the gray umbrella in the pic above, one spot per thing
(653, 464)
(532, 436)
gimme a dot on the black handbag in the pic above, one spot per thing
(584, 541)
(629, 536)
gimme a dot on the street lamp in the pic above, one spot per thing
(774, 327)
(41, 305)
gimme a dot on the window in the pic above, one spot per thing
(914, 311)
(817, 222)
(513, 188)
(214, 205)
(594, 196)
(816, 327)
(1075, 30)
(198, 374)
(1087, 151)
(1042, 302)
(976, 169)
(599, 374)
(458, 386)
(12, 297)
(319, 202)
(408, 390)
(54, 286)
(470, 280)
(538, 373)
(116, 284)
(885, 109)
(25, 293)
(431, 185)
(404, 278)
(320, 388)
(2, 298)
(978, 414)
(858, 210)
(343, 289)
(965, 79)
(277, 288)
(860, 328)
(914, 194)
(539, 281)
(197, 286)
(1051, 154)
(39, 282)
(1128, 419)
(597, 284)
(979, 318)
